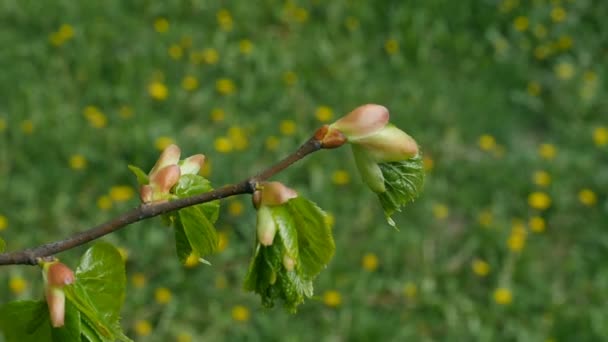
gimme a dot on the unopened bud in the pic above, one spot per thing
(266, 227)
(56, 275)
(389, 144)
(275, 193)
(362, 121)
(146, 193)
(288, 262)
(166, 178)
(169, 156)
(330, 137)
(192, 164)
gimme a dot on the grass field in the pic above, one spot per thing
(506, 98)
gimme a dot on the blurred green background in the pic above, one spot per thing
(506, 98)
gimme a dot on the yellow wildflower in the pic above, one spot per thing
(600, 136)
(290, 78)
(300, 14)
(217, 115)
(521, 23)
(542, 51)
(184, 337)
(104, 202)
(17, 285)
(223, 145)
(222, 241)
(78, 162)
(121, 193)
(175, 51)
(587, 197)
(391, 46)
(95, 117)
(192, 260)
(440, 211)
(27, 126)
(186, 42)
(210, 56)
(235, 208)
(565, 42)
(332, 298)
(428, 163)
(162, 295)
(517, 239)
(189, 83)
(206, 169)
(158, 91)
(3, 222)
(138, 280)
(240, 313)
(534, 88)
(537, 224)
(225, 86)
(224, 20)
(480, 267)
(272, 143)
(503, 296)
(340, 177)
(547, 151)
(143, 327)
(487, 142)
(238, 137)
(558, 14)
(161, 25)
(542, 178)
(245, 46)
(324, 113)
(66, 32)
(163, 142)
(539, 200)
(564, 71)
(287, 127)
(410, 290)
(540, 31)
(369, 262)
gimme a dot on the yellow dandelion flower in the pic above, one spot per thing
(2, 125)
(121, 193)
(542, 51)
(340, 177)
(104, 202)
(158, 91)
(287, 127)
(223, 145)
(351, 23)
(222, 241)
(547, 151)
(220, 282)
(224, 20)
(487, 142)
(503, 296)
(192, 260)
(210, 56)
(143, 327)
(161, 25)
(95, 117)
(558, 14)
(540, 31)
(206, 169)
(600, 136)
(225, 86)
(507, 6)
(161, 143)
(369, 262)
(235, 208)
(410, 290)
(217, 115)
(517, 240)
(184, 337)
(564, 71)
(300, 14)
(77, 162)
(17, 285)
(238, 137)
(537, 224)
(440, 211)
(587, 197)
(186, 42)
(590, 77)
(290, 78)
(565, 42)
(162, 295)
(3, 222)
(27, 126)
(485, 218)
(272, 143)
(138, 280)
(539, 200)
(124, 253)
(66, 32)
(175, 51)
(542, 178)
(189, 83)
(125, 112)
(480, 267)
(534, 88)
(55, 39)
(332, 298)
(324, 113)
(240, 313)
(521, 23)
(391, 46)
(245, 46)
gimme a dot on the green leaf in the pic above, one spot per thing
(142, 177)
(190, 185)
(199, 232)
(99, 290)
(304, 235)
(403, 181)
(315, 239)
(30, 321)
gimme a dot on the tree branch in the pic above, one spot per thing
(31, 256)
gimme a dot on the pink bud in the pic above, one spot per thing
(146, 193)
(166, 178)
(275, 193)
(59, 274)
(389, 144)
(170, 156)
(192, 164)
(56, 276)
(55, 299)
(362, 121)
(288, 262)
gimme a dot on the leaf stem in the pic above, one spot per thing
(31, 256)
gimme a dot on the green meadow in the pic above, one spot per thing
(507, 100)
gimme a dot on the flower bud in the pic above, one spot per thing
(266, 227)
(274, 193)
(288, 262)
(169, 156)
(192, 164)
(166, 178)
(56, 275)
(362, 121)
(389, 144)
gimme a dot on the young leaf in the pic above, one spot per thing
(99, 290)
(403, 181)
(190, 185)
(142, 177)
(198, 232)
(29, 321)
